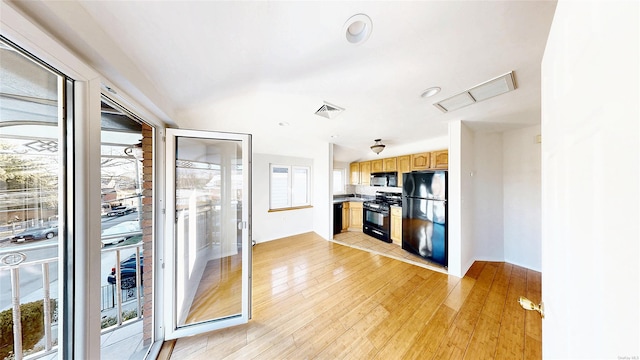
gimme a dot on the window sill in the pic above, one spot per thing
(291, 208)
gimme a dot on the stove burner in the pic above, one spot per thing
(387, 198)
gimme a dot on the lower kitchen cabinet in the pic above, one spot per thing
(355, 216)
(396, 225)
(345, 216)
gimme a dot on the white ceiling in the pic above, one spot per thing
(246, 66)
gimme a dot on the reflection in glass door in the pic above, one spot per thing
(32, 208)
(210, 253)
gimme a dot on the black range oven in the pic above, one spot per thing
(376, 216)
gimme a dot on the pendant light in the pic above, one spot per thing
(378, 146)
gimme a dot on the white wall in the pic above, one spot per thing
(590, 182)
(273, 225)
(267, 225)
(522, 201)
(488, 215)
(460, 199)
(467, 200)
(322, 190)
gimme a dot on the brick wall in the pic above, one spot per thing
(147, 231)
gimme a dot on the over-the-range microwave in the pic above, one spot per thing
(388, 179)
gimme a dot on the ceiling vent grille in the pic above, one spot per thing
(494, 87)
(329, 111)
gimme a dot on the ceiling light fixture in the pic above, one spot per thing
(284, 123)
(358, 28)
(378, 146)
(430, 92)
(488, 89)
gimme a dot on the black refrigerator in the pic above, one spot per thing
(424, 214)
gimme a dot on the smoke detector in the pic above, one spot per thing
(329, 111)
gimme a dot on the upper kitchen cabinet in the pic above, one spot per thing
(389, 164)
(404, 166)
(420, 161)
(365, 173)
(440, 159)
(354, 171)
(376, 166)
(360, 173)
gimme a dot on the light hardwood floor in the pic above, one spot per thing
(316, 299)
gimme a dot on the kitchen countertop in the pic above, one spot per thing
(341, 199)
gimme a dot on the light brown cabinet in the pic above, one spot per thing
(360, 172)
(389, 164)
(420, 161)
(440, 159)
(376, 166)
(396, 225)
(365, 173)
(345, 216)
(354, 171)
(404, 166)
(355, 216)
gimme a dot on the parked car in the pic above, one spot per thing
(121, 210)
(126, 228)
(128, 272)
(36, 233)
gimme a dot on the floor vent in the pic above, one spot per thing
(329, 111)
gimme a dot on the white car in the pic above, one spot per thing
(125, 229)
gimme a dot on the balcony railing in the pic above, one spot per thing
(14, 261)
(134, 292)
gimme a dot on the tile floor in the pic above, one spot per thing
(358, 240)
(123, 343)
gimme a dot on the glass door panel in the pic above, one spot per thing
(32, 205)
(209, 254)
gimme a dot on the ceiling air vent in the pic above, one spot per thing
(494, 87)
(329, 111)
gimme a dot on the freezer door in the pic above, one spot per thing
(424, 229)
(425, 184)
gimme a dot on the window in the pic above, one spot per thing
(289, 186)
(338, 181)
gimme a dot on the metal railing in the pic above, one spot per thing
(13, 259)
(121, 297)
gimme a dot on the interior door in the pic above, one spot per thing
(208, 251)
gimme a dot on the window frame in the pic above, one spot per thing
(80, 335)
(341, 188)
(291, 169)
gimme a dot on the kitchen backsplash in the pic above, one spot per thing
(370, 190)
